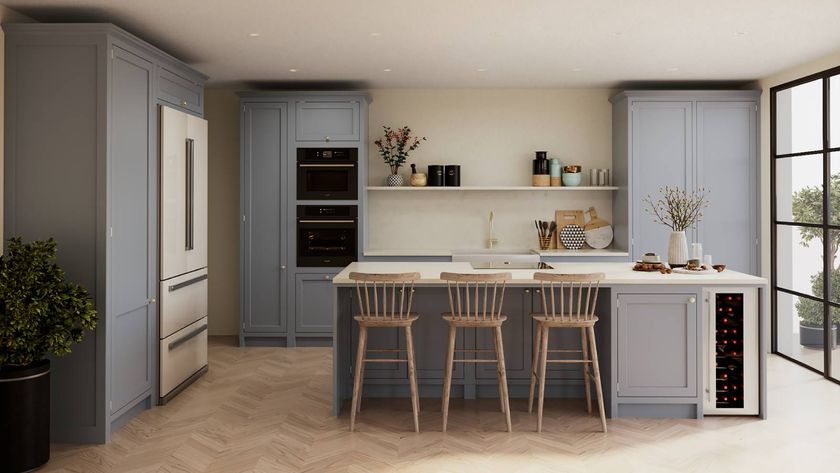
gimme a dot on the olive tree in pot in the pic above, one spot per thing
(807, 206)
(40, 314)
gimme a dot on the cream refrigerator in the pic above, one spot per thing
(183, 250)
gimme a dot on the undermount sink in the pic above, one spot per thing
(499, 256)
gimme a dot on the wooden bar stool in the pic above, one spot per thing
(479, 307)
(577, 295)
(384, 302)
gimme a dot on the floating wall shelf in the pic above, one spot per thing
(492, 188)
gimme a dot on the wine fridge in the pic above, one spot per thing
(731, 351)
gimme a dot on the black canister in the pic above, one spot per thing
(436, 176)
(453, 175)
(541, 163)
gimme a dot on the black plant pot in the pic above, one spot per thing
(812, 337)
(25, 416)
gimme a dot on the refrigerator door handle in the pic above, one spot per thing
(188, 282)
(186, 338)
(190, 200)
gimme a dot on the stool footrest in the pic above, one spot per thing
(384, 360)
(476, 361)
(384, 350)
(568, 361)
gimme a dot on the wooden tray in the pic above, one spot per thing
(566, 217)
(652, 268)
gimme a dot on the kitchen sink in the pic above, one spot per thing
(499, 257)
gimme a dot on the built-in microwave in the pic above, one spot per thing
(327, 173)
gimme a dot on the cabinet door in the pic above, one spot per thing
(657, 345)
(132, 253)
(264, 229)
(314, 303)
(661, 156)
(726, 167)
(180, 91)
(327, 121)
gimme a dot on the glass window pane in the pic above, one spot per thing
(799, 262)
(835, 350)
(834, 287)
(799, 332)
(834, 112)
(834, 200)
(799, 118)
(799, 189)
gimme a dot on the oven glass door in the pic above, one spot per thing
(325, 243)
(327, 181)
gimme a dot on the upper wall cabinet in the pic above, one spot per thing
(327, 121)
(82, 166)
(693, 140)
(180, 90)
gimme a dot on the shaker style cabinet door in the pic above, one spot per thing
(327, 121)
(657, 345)
(263, 242)
(314, 303)
(183, 222)
(131, 262)
(661, 140)
(726, 168)
(180, 91)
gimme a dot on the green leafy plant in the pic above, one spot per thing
(395, 146)
(807, 207)
(40, 312)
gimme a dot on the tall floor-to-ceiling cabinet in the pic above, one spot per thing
(81, 165)
(691, 139)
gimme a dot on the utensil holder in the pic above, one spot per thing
(545, 242)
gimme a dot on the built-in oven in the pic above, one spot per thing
(326, 235)
(327, 173)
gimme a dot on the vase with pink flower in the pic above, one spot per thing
(394, 149)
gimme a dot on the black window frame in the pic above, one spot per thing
(826, 151)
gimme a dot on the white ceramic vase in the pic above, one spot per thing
(677, 249)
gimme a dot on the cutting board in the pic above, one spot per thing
(566, 217)
(599, 233)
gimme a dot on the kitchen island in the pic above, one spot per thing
(660, 355)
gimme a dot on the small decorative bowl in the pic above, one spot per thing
(571, 179)
(719, 267)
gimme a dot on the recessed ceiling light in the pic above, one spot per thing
(386, 70)
(292, 70)
(740, 33)
(481, 69)
(576, 69)
(618, 33)
(672, 69)
(253, 35)
(376, 34)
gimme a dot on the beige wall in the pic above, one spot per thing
(492, 134)
(765, 84)
(7, 15)
(221, 109)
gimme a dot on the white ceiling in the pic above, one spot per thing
(471, 43)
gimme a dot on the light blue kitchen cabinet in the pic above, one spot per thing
(691, 139)
(327, 121)
(81, 166)
(657, 337)
(180, 89)
(264, 224)
(314, 303)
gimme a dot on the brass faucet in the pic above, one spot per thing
(492, 241)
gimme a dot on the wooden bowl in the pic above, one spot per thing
(719, 267)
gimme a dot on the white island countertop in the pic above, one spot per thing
(615, 274)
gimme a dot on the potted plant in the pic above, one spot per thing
(807, 206)
(394, 148)
(677, 209)
(40, 314)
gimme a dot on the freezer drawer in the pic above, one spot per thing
(183, 300)
(182, 354)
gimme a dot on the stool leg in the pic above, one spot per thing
(447, 377)
(543, 362)
(412, 378)
(501, 398)
(597, 380)
(535, 360)
(584, 349)
(357, 382)
(500, 362)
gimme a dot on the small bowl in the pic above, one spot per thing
(719, 267)
(650, 259)
(571, 179)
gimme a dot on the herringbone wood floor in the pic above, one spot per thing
(267, 410)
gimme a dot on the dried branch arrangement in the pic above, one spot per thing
(677, 209)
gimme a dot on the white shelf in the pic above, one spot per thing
(492, 188)
(582, 252)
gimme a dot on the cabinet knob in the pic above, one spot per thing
(692, 300)
(152, 300)
(327, 277)
(527, 291)
(282, 266)
(537, 291)
(183, 103)
(327, 139)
